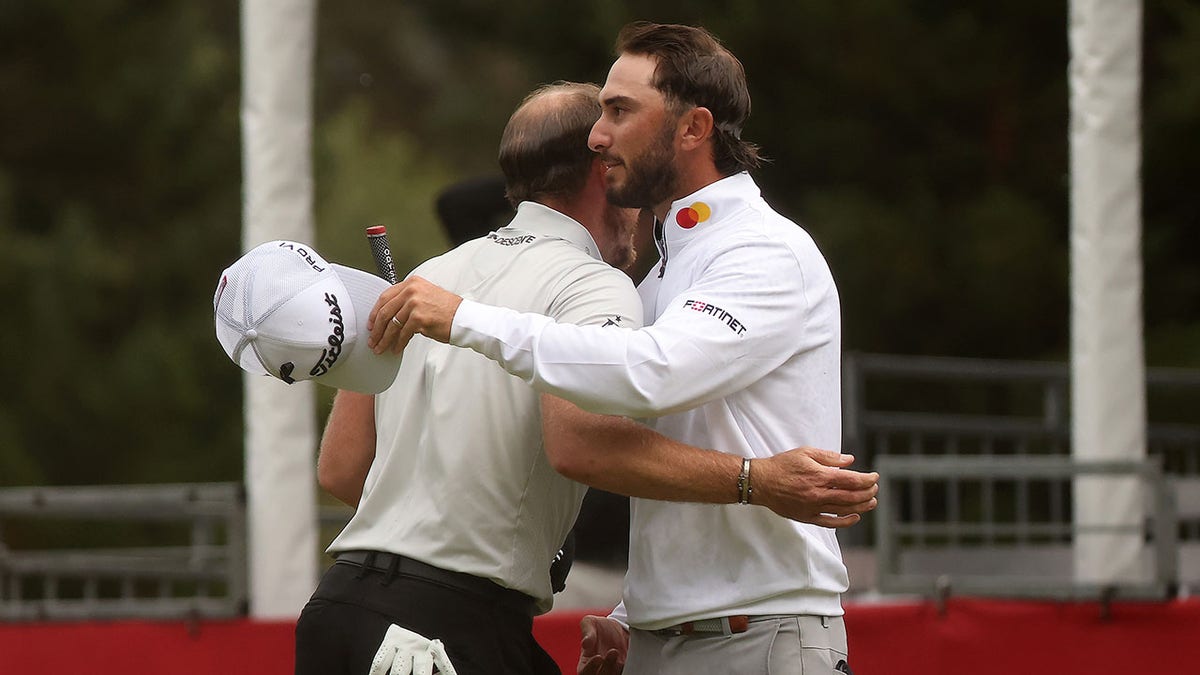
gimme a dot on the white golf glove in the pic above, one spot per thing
(404, 652)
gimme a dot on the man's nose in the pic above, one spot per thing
(598, 139)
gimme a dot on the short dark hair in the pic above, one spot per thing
(544, 149)
(694, 69)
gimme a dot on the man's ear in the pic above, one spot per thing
(697, 127)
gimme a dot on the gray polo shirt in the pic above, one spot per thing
(460, 479)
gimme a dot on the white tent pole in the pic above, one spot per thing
(277, 56)
(1107, 362)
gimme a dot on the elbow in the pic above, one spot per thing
(652, 391)
(642, 403)
(326, 470)
(339, 484)
(570, 462)
(564, 463)
(633, 401)
(327, 479)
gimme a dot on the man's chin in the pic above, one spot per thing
(620, 197)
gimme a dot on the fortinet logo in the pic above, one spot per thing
(712, 310)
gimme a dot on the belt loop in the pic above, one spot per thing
(368, 563)
(824, 622)
(725, 629)
(393, 571)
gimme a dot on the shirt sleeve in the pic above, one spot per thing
(743, 316)
(597, 295)
(619, 614)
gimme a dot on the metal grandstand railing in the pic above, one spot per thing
(983, 538)
(999, 414)
(191, 564)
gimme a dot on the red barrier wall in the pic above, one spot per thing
(988, 637)
(980, 637)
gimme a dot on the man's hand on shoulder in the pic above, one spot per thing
(407, 308)
(814, 486)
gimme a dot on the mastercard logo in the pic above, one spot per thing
(693, 215)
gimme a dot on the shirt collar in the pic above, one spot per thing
(542, 220)
(709, 206)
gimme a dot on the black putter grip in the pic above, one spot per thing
(377, 237)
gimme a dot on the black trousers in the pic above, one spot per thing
(342, 626)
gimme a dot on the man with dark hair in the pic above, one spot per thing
(741, 351)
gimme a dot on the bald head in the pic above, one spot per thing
(544, 151)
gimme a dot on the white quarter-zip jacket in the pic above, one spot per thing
(460, 478)
(741, 353)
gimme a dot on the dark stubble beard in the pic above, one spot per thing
(651, 177)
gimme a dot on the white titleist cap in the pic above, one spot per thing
(283, 311)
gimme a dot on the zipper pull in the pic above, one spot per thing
(661, 240)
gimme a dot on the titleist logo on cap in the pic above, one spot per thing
(336, 337)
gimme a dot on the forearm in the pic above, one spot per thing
(347, 446)
(619, 455)
(805, 484)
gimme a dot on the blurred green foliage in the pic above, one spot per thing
(922, 142)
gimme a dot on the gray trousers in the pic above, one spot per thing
(775, 645)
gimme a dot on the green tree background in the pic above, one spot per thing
(922, 142)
